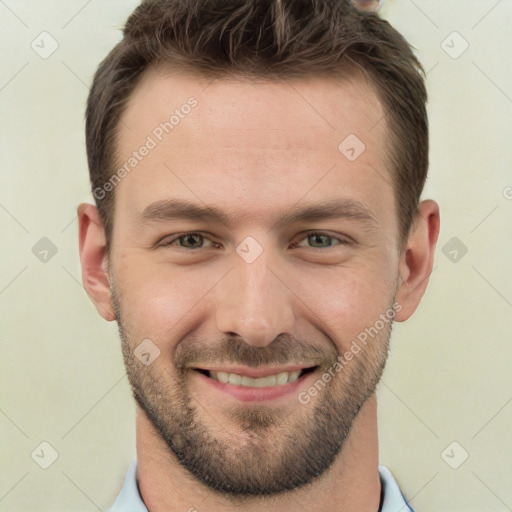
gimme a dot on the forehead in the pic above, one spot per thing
(310, 108)
(234, 141)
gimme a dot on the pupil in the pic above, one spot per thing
(319, 237)
(191, 237)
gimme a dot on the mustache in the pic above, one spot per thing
(284, 350)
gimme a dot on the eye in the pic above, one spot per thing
(321, 240)
(191, 240)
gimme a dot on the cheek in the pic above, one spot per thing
(347, 300)
(158, 299)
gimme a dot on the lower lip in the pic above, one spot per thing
(253, 394)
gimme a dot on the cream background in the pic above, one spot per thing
(62, 377)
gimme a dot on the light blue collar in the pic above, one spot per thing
(129, 499)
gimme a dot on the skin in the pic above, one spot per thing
(366, 5)
(255, 150)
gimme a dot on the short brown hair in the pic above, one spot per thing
(274, 39)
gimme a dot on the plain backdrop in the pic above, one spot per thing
(446, 393)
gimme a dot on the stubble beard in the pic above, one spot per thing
(254, 450)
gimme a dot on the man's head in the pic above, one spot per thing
(263, 222)
(269, 40)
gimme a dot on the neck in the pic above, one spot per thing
(351, 483)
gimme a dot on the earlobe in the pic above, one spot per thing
(418, 259)
(93, 258)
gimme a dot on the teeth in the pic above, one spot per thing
(262, 382)
(294, 376)
(235, 379)
(221, 377)
(282, 378)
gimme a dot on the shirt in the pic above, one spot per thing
(130, 500)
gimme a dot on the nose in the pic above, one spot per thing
(254, 303)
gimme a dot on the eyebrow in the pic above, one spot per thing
(180, 209)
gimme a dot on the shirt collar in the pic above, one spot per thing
(393, 499)
(130, 500)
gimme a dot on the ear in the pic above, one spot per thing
(417, 260)
(94, 260)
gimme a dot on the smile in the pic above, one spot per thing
(255, 384)
(279, 379)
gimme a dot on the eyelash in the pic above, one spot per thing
(342, 241)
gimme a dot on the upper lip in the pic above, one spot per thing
(255, 372)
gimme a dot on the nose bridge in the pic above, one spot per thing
(253, 302)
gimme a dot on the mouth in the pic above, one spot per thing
(249, 384)
(237, 379)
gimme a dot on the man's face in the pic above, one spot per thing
(255, 293)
